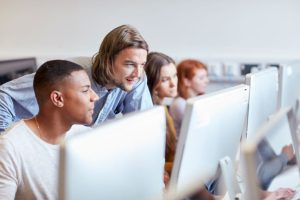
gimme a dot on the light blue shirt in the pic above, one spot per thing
(17, 100)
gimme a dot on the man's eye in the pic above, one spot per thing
(129, 65)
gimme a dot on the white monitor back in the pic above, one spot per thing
(120, 159)
(289, 81)
(212, 129)
(263, 97)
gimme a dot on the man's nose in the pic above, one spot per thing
(94, 95)
(138, 71)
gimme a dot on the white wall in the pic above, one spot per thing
(208, 29)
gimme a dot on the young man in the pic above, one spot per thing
(29, 150)
(117, 77)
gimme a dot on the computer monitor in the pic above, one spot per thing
(190, 191)
(289, 81)
(263, 86)
(211, 130)
(120, 159)
(279, 130)
(14, 68)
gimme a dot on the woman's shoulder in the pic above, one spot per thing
(178, 102)
(177, 107)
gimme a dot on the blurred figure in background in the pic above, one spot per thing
(192, 81)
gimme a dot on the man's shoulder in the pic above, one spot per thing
(142, 82)
(15, 130)
(77, 129)
(13, 137)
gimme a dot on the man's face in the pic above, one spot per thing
(78, 98)
(128, 67)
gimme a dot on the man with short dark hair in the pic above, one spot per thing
(29, 150)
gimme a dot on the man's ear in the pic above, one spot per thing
(57, 98)
(186, 82)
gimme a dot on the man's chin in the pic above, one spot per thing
(126, 88)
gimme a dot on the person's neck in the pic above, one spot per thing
(191, 93)
(110, 86)
(157, 100)
(50, 128)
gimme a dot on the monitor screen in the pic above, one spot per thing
(289, 81)
(14, 68)
(120, 159)
(209, 121)
(263, 86)
(269, 161)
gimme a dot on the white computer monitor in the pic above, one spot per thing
(120, 159)
(263, 99)
(189, 191)
(289, 81)
(279, 130)
(211, 130)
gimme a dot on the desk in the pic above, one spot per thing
(288, 178)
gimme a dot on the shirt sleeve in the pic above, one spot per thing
(138, 98)
(7, 113)
(8, 172)
(17, 101)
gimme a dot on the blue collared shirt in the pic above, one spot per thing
(17, 100)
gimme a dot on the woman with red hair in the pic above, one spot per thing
(192, 81)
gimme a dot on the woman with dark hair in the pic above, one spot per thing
(192, 81)
(162, 82)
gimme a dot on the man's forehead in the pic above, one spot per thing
(79, 77)
(134, 55)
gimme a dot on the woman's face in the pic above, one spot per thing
(199, 82)
(167, 85)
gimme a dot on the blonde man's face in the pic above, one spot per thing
(128, 67)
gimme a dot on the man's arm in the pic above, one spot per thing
(7, 114)
(17, 101)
